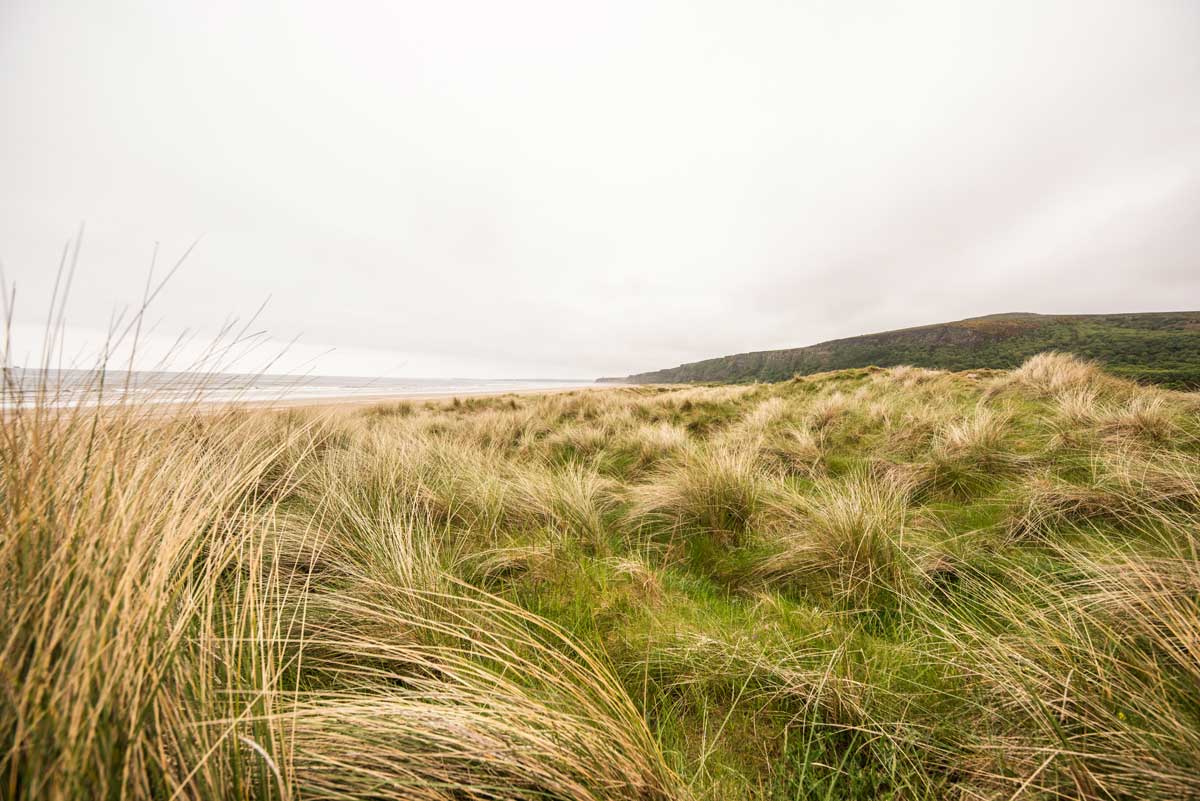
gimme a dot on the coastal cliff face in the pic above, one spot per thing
(1160, 348)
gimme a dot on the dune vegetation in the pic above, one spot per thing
(875, 583)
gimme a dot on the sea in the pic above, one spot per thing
(23, 387)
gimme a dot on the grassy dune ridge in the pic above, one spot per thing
(1151, 347)
(873, 583)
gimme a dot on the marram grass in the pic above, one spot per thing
(894, 583)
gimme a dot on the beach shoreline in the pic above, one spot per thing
(82, 389)
(358, 401)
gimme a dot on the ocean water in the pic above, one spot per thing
(87, 387)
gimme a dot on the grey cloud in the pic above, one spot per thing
(547, 188)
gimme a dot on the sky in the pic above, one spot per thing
(551, 188)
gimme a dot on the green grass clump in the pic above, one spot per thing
(845, 541)
(877, 583)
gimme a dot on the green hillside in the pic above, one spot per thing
(1162, 348)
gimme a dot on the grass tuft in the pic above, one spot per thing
(847, 536)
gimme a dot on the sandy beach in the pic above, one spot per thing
(359, 401)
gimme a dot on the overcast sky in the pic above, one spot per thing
(570, 189)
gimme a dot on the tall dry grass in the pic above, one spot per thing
(891, 583)
(227, 604)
